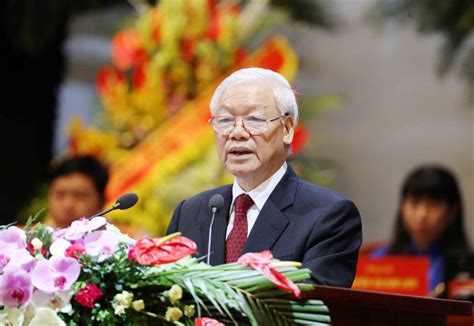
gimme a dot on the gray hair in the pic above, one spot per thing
(283, 94)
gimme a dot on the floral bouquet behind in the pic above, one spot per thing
(90, 273)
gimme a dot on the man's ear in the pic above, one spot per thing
(288, 130)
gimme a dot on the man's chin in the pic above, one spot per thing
(240, 170)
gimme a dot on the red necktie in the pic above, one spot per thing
(238, 236)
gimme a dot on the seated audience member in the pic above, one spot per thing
(77, 189)
(429, 222)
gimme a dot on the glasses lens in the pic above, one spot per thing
(255, 125)
(222, 125)
(225, 125)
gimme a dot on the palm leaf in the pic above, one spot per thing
(241, 295)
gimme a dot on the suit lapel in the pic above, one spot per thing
(219, 229)
(271, 221)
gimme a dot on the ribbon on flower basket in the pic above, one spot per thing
(261, 261)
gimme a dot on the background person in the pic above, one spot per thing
(268, 207)
(77, 189)
(429, 221)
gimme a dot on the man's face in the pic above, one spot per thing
(252, 158)
(71, 197)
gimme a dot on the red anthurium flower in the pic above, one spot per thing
(205, 321)
(88, 295)
(157, 251)
(127, 50)
(261, 262)
(300, 139)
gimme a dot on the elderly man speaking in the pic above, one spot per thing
(254, 114)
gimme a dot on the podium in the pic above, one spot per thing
(355, 307)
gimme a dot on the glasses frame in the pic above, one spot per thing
(242, 118)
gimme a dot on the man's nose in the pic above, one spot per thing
(68, 202)
(239, 131)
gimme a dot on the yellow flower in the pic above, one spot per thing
(138, 305)
(173, 314)
(190, 310)
(175, 293)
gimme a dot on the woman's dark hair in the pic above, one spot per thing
(436, 183)
(86, 165)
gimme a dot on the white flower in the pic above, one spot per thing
(124, 238)
(125, 298)
(11, 316)
(58, 301)
(119, 309)
(138, 305)
(58, 247)
(37, 243)
(39, 256)
(46, 316)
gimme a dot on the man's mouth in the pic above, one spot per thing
(239, 152)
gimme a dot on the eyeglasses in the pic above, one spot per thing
(224, 125)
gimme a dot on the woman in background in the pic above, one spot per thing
(429, 221)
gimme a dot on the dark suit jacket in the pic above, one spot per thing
(299, 222)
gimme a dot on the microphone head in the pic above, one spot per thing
(216, 202)
(126, 201)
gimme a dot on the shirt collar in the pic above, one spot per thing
(260, 193)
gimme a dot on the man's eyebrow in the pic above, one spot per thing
(253, 107)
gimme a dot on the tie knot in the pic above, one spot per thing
(242, 204)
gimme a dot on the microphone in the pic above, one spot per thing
(123, 202)
(216, 203)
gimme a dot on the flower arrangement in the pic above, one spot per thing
(91, 274)
(171, 52)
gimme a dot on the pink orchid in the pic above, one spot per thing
(56, 274)
(12, 238)
(101, 244)
(15, 287)
(79, 228)
(17, 257)
(261, 262)
(59, 247)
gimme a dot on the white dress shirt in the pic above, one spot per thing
(259, 196)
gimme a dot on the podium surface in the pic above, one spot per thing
(355, 307)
